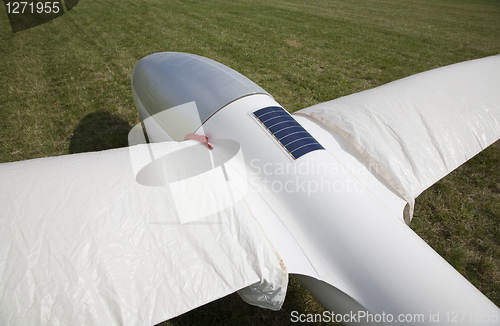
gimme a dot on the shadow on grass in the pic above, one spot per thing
(99, 131)
(232, 310)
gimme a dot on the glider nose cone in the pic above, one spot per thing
(164, 80)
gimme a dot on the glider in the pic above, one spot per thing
(232, 193)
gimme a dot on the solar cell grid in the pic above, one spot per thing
(288, 132)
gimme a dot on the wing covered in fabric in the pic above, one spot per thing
(420, 128)
(82, 242)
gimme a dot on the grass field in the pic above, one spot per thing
(65, 88)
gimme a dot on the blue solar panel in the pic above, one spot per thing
(288, 132)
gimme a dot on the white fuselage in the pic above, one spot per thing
(347, 223)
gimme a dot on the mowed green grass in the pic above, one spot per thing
(65, 88)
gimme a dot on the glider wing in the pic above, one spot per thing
(82, 242)
(420, 128)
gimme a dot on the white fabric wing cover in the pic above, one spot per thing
(421, 127)
(83, 243)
